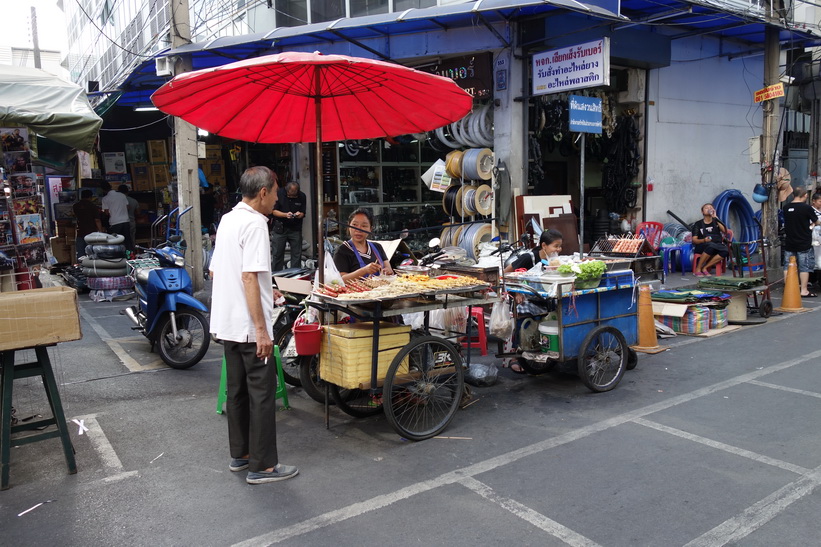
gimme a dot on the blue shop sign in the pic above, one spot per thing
(585, 114)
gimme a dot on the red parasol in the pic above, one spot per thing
(307, 97)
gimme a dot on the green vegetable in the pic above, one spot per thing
(590, 269)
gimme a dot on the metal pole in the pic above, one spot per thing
(770, 119)
(320, 239)
(581, 205)
(34, 38)
(185, 153)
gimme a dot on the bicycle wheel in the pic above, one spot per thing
(423, 388)
(602, 358)
(358, 403)
(290, 363)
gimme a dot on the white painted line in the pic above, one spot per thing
(129, 362)
(760, 513)
(788, 389)
(101, 443)
(533, 517)
(357, 509)
(725, 447)
(120, 476)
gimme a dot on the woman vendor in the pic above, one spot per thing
(550, 245)
(708, 236)
(359, 257)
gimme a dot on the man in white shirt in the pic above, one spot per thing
(116, 205)
(241, 309)
(133, 207)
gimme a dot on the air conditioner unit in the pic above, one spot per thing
(163, 66)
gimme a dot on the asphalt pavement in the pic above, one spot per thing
(715, 441)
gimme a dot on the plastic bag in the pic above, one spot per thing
(415, 320)
(501, 323)
(332, 275)
(449, 321)
(482, 375)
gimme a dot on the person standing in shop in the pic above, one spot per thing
(116, 205)
(241, 310)
(288, 214)
(133, 207)
(88, 220)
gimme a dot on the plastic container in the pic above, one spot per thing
(549, 336)
(307, 338)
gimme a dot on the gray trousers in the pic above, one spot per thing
(294, 240)
(251, 405)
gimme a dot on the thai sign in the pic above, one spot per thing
(769, 92)
(585, 114)
(573, 67)
(473, 73)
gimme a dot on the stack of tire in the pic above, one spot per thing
(104, 262)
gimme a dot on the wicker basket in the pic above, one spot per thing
(345, 357)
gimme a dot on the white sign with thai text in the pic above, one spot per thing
(573, 67)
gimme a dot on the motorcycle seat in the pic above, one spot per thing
(141, 275)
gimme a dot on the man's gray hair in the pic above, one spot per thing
(292, 184)
(255, 179)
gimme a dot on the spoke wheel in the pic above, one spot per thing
(602, 358)
(359, 403)
(423, 388)
(632, 359)
(290, 365)
(192, 339)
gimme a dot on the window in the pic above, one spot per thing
(327, 10)
(291, 13)
(402, 5)
(368, 7)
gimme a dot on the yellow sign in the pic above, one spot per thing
(769, 92)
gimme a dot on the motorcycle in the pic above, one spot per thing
(167, 312)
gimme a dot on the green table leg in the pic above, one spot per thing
(282, 392)
(222, 395)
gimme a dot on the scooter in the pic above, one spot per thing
(167, 312)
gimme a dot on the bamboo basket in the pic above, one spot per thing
(345, 354)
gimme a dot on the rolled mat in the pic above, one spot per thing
(101, 238)
(105, 251)
(111, 263)
(477, 164)
(103, 283)
(105, 272)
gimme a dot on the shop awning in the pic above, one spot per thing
(47, 105)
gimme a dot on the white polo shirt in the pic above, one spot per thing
(242, 245)
(117, 206)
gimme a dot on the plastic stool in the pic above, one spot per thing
(668, 258)
(479, 341)
(282, 393)
(719, 265)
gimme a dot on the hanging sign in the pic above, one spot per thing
(769, 92)
(585, 114)
(574, 67)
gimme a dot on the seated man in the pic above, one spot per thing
(708, 236)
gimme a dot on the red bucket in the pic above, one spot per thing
(307, 338)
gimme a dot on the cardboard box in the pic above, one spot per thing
(345, 356)
(60, 250)
(214, 167)
(157, 152)
(141, 176)
(114, 163)
(160, 176)
(38, 317)
(213, 152)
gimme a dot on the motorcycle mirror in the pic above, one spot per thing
(175, 239)
(433, 243)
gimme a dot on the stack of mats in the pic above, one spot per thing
(729, 283)
(698, 319)
(104, 262)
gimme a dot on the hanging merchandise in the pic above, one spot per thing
(469, 200)
(622, 165)
(453, 163)
(473, 235)
(449, 200)
(477, 164)
(484, 200)
(730, 205)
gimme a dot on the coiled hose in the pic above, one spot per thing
(733, 209)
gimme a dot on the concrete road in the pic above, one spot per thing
(713, 442)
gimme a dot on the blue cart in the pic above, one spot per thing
(595, 329)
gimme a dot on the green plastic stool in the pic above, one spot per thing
(282, 393)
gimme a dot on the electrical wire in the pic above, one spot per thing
(138, 127)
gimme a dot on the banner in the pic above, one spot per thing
(574, 67)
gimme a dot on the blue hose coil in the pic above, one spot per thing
(734, 201)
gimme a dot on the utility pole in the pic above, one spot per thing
(185, 151)
(769, 160)
(34, 38)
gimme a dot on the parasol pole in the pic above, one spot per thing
(320, 240)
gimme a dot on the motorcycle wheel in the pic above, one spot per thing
(290, 366)
(313, 385)
(192, 330)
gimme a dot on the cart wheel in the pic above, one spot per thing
(632, 359)
(358, 403)
(602, 358)
(535, 367)
(765, 309)
(313, 385)
(423, 388)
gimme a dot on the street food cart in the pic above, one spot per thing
(375, 365)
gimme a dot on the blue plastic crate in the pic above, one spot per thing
(623, 278)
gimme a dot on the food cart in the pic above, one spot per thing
(374, 365)
(594, 327)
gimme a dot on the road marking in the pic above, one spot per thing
(378, 502)
(129, 362)
(526, 513)
(101, 443)
(760, 513)
(788, 389)
(724, 447)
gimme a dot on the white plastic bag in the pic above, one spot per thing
(501, 323)
(415, 320)
(332, 275)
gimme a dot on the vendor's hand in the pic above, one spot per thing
(264, 344)
(371, 268)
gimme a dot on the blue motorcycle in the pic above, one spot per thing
(167, 312)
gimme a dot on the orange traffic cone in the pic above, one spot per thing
(647, 343)
(791, 301)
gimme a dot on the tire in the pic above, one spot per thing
(632, 359)
(290, 365)
(534, 367)
(358, 403)
(192, 329)
(602, 358)
(309, 378)
(765, 309)
(421, 402)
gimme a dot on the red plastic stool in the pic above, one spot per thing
(479, 341)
